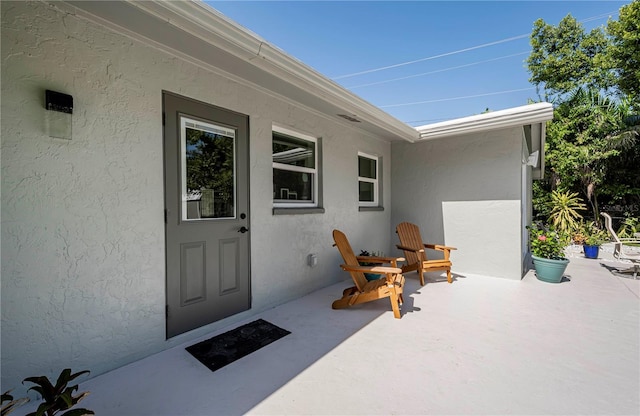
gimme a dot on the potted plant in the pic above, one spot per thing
(370, 276)
(592, 237)
(547, 252)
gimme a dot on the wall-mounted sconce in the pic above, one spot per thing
(532, 160)
(58, 116)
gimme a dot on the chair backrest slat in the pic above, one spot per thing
(409, 235)
(349, 258)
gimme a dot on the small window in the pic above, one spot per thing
(295, 169)
(368, 172)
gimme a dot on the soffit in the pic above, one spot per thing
(194, 31)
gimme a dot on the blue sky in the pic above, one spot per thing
(472, 49)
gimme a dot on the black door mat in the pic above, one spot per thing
(225, 348)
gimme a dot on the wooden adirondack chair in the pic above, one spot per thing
(414, 250)
(390, 286)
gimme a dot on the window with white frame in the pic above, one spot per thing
(368, 173)
(295, 169)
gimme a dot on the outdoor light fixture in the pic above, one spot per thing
(532, 160)
(58, 116)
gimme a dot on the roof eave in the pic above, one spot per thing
(216, 30)
(512, 117)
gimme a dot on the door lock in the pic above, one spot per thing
(243, 229)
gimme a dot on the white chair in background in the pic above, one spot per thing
(619, 251)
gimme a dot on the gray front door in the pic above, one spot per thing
(206, 201)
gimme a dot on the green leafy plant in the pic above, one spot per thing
(58, 397)
(629, 227)
(370, 254)
(371, 276)
(9, 403)
(594, 236)
(545, 242)
(564, 210)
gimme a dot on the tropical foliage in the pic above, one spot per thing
(588, 233)
(58, 397)
(565, 207)
(593, 79)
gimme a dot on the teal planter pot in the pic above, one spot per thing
(549, 270)
(591, 252)
(372, 276)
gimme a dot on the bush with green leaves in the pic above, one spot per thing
(545, 242)
(629, 227)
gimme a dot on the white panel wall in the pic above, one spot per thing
(83, 283)
(465, 192)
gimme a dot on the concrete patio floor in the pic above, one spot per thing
(478, 346)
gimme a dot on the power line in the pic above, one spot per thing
(436, 71)
(588, 19)
(431, 57)
(455, 98)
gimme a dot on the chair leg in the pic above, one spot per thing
(349, 291)
(449, 275)
(421, 273)
(633, 272)
(394, 305)
(347, 300)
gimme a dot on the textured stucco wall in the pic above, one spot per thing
(83, 280)
(465, 192)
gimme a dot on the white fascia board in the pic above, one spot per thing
(511, 117)
(206, 23)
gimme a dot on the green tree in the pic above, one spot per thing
(578, 144)
(624, 50)
(592, 79)
(564, 57)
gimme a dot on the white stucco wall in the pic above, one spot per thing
(83, 279)
(464, 192)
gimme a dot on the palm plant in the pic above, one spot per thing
(564, 211)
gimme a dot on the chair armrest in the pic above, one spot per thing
(376, 259)
(382, 260)
(439, 247)
(371, 269)
(415, 250)
(630, 240)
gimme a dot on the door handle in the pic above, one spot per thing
(243, 229)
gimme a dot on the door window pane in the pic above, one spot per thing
(208, 170)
